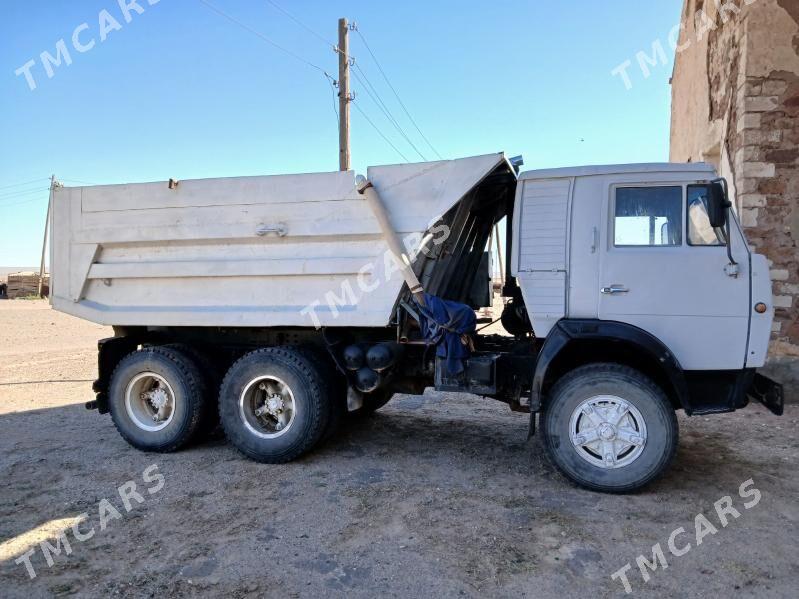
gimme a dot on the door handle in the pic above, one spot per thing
(613, 289)
(280, 229)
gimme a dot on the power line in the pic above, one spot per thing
(22, 202)
(78, 181)
(262, 36)
(17, 194)
(301, 24)
(275, 44)
(372, 87)
(24, 183)
(396, 95)
(382, 106)
(334, 87)
(388, 141)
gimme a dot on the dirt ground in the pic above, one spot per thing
(440, 495)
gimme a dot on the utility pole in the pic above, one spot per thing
(44, 241)
(344, 97)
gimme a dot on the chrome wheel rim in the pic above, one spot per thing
(267, 407)
(150, 401)
(607, 432)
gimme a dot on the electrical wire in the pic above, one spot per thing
(326, 42)
(396, 95)
(260, 35)
(303, 25)
(276, 45)
(367, 84)
(388, 141)
(19, 194)
(310, 30)
(25, 183)
(78, 181)
(22, 202)
(381, 105)
(333, 85)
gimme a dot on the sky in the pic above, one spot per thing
(184, 91)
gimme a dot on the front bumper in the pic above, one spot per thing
(767, 392)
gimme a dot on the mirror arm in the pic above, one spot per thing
(729, 240)
(728, 227)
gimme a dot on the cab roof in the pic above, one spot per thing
(619, 169)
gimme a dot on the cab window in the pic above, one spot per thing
(648, 216)
(699, 230)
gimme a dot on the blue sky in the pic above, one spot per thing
(182, 92)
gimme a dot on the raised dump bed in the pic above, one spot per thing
(244, 251)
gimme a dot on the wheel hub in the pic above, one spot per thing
(273, 406)
(149, 401)
(157, 398)
(267, 407)
(607, 431)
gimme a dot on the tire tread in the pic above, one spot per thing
(192, 379)
(634, 377)
(311, 375)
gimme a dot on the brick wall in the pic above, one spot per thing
(768, 187)
(745, 71)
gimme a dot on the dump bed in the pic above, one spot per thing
(245, 251)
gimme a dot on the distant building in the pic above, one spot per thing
(735, 103)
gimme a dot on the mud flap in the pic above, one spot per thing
(767, 392)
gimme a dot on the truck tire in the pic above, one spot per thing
(274, 404)
(609, 428)
(156, 399)
(212, 378)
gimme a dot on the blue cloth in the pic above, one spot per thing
(443, 323)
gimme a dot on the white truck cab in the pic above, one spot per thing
(634, 244)
(281, 304)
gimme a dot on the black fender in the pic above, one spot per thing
(109, 352)
(568, 330)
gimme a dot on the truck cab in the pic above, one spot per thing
(634, 244)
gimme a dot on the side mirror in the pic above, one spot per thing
(717, 204)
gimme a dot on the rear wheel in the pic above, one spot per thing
(609, 428)
(156, 399)
(274, 404)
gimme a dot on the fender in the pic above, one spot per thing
(568, 330)
(109, 352)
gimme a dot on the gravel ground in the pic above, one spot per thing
(440, 495)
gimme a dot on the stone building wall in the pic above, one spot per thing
(735, 103)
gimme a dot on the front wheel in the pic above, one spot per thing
(609, 428)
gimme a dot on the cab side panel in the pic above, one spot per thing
(542, 233)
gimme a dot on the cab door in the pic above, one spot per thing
(665, 270)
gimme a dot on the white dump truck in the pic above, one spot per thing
(281, 305)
